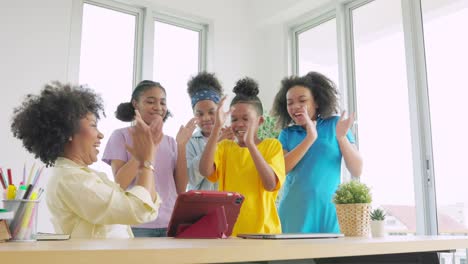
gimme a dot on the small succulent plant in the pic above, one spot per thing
(377, 215)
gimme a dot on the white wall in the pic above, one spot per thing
(34, 39)
(33, 50)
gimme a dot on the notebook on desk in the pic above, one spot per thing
(50, 236)
(291, 236)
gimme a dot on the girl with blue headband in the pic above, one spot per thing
(205, 92)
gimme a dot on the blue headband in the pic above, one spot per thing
(207, 94)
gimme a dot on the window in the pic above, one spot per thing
(176, 59)
(373, 63)
(107, 63)
(317, 50)
(383, 109)
(447, 60)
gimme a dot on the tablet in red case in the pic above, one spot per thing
(205, 214)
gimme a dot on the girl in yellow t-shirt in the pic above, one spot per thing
(250, 166)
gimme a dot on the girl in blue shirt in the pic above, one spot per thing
(314, 141)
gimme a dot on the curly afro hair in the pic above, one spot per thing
(246, 91)
(203, 81)
(45, 122)
(322, 89)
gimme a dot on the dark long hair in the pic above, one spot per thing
(126, 112)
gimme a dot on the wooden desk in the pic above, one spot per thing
(170, 250)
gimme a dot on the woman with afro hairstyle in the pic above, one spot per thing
(170, 175)
(205, 92)
(250, 166)
(314, 140)
(59, 126)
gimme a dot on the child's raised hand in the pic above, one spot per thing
(185, 132)
(249, 135)
(310, 125)
(226, 133)
(221, 116)
(156, 129)
(143, 146)
(343, 125)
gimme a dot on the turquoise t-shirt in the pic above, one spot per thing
(306, 205)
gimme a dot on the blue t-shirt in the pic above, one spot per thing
(306, 205)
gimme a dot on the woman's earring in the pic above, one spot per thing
(70, 139)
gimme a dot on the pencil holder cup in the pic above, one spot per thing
(23, 226)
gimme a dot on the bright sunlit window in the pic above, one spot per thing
(176, 58)
(447, 62)
(383, 111)
(317, 50)
(107, 64)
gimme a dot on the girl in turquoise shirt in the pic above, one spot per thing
(314, 141)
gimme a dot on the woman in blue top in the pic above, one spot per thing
(314, 140)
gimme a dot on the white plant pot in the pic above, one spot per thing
(378, 228)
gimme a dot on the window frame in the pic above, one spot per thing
(201, 28)
(426, 212)
(144, 35)
(139, 24)
(297, 30)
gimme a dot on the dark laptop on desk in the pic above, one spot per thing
(291, 236)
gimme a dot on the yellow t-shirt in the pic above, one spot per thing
(236, 172)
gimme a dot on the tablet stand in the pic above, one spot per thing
(211, 225)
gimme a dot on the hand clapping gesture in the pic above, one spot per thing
(226, 133)
(143, 144)
(156, 130)
(343, 125)
(249, 135)
(310, 125)
(185, 132)
(221, 116)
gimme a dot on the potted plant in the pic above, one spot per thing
(268, 128)
(352, 200)
(377, 217)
